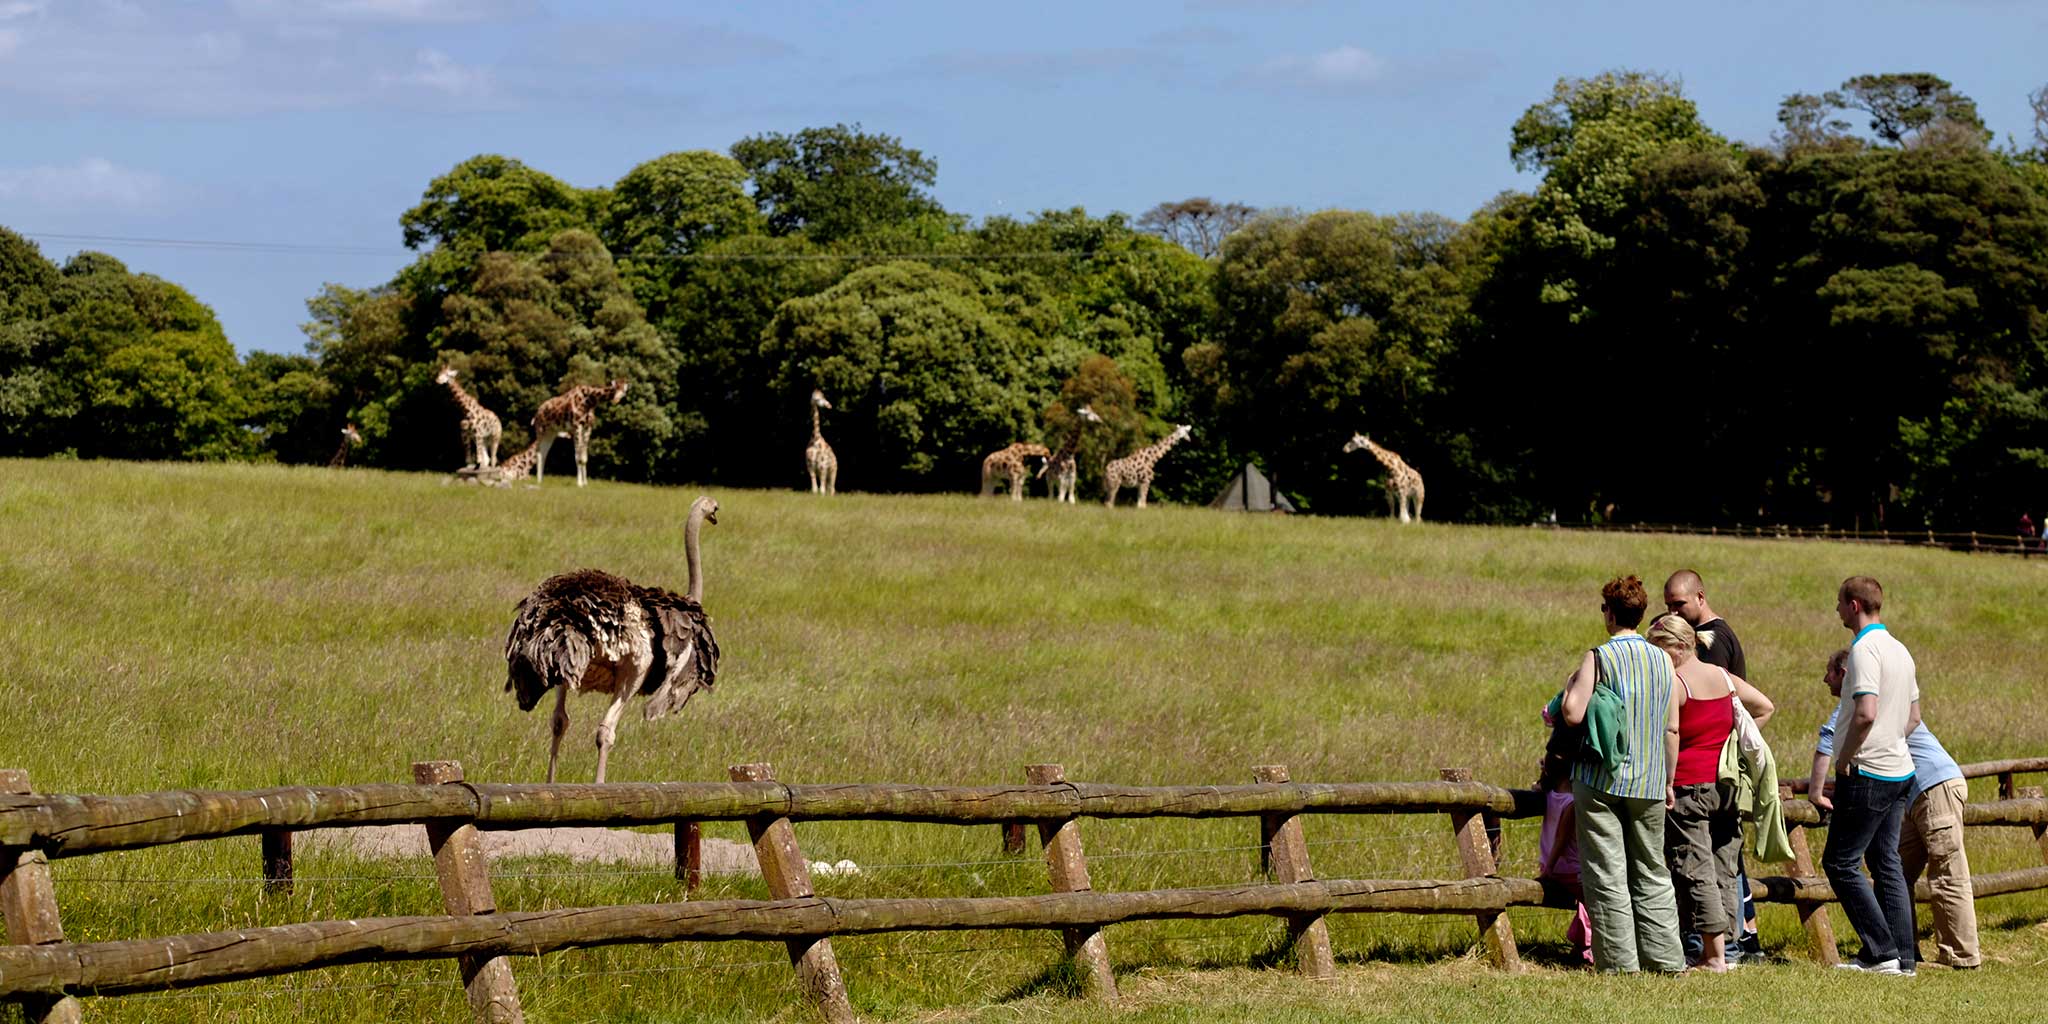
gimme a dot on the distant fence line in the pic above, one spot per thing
(44, 973)
(1982, 541)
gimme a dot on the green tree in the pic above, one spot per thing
(486, 204)
(924, 378)
(838, 182)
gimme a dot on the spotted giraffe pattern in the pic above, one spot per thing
(1403, 482)
(502, 474)
(818, 458)
(1135, 469)
(571, 414)
(1062, 463)
(1010, 463)
(349, 439)
(480, 427)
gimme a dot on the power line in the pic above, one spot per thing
(326, 249)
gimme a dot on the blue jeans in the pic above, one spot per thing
(1866, 831)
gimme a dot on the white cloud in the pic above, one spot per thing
(407, 12)
(1344, 69)
(438, 72)
(94, 181)
(10, 9)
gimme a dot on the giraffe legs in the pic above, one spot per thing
(1418, 502)
(493, 437)
(1144, 488)
(582, 454)
(832, 477)
(560, 725)
(1017, 484)
(540, 455)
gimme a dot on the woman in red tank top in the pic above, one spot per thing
(1702, 833)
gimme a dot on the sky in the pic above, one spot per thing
(290, 135)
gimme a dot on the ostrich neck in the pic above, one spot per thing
(696, 591)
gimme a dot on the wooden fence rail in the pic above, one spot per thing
(41, 971)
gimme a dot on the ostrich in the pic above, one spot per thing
(591, 630)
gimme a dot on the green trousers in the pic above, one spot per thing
(1627, 884)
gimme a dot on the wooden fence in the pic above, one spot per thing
(44, 973)
(1978, 541)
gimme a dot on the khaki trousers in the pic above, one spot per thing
(1626, 882)
(1932, 841)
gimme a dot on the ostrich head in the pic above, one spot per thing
(1357, 441)
(447, 374)
(618, 389)
(818, 398)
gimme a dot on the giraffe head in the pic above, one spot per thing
(349, 435)
(617, 389)
(1087, 415)
(1357, 441)
(447, 374)
(1180, 433)
(818, 398)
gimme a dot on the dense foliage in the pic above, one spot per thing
(1848, 326)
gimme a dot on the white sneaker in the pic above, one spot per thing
(1881, 967)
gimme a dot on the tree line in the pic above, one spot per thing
(1848, 325)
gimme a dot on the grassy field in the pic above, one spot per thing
(170, 626)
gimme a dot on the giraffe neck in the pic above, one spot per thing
(1387, 458)
(1159, 448)
(1068, 449)
(461, 397)
(817, 435)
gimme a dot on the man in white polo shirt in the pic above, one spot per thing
(1873, 782)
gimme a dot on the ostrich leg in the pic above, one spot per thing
(560, 725)
(607, 730)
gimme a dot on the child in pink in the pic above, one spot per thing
(1558, 848)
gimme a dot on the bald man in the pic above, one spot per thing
(1686, 595)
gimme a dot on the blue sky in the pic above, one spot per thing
(315, 123)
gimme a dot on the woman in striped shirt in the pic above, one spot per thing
(1622, 802)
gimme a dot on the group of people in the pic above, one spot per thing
(1656, 757)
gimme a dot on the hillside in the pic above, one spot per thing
(166, 626)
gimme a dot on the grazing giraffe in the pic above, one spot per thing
(480, 426)
(349, 439)
(1062, 464)
(818, 457)
(1135, 469)
(1010, 462)
(1403, 482)
(571, 414)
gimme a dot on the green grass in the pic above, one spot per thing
(168, 626)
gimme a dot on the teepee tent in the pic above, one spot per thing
(1250, 491)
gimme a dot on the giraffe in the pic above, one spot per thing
(818, 457)
(1010, 462)
(1403, 482)
(502, 474)
(480, 426)
(349, 439)
(1062, 463)
(571, 414)
(1135, 469)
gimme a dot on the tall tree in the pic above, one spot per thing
(1199, 224)
(486, 204)
(838, 182)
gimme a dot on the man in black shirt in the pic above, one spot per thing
(1686, 594)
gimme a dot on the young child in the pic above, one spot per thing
(1558, 850)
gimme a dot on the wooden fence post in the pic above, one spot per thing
(788, 877)
(2005, 785)
(1068, 868)
(1476, 850)
(29, 901)
(2040, 831)
(1013, 838)
(466, 892)
(690, 854)
(277, 861)
(1308, 935)
(1820, 933)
